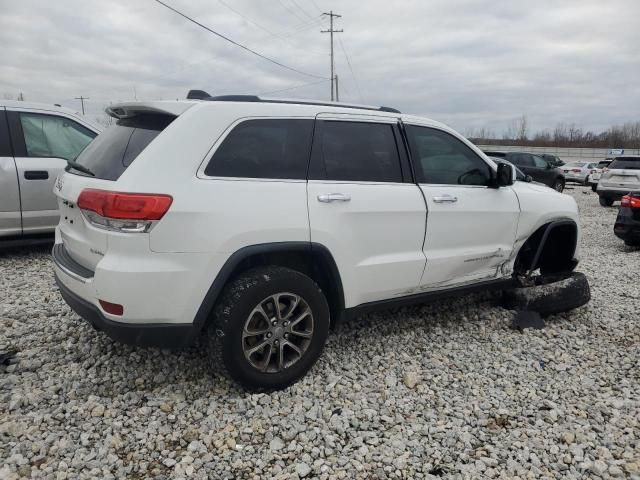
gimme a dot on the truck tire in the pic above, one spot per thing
(550, 294)
(269, 328)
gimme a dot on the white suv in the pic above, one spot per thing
(261, 223)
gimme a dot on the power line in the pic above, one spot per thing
(351, 70)
(293, 88)
(292, 12)
(300, 8)
(275, 62)
(285, 39)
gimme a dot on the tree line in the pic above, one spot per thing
(517, 132)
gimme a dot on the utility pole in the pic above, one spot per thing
(82, 99)
(337, 89)
(332, 31)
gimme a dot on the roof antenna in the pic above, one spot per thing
(198, 95)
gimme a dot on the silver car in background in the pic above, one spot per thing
(621, 177)
(578, 172)
(36, 141)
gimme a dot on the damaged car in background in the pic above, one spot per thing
(259, 224)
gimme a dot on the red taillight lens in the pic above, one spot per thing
(112, 308)
(630, 202)
(125, 206)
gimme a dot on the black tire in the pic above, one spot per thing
(586, 181)
(632, 243)
(606, 201)
(558, 185)
(594, 187)
(551, 294)
(238, 301)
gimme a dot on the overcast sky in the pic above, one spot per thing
(468, 63)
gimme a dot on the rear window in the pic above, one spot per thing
(109, 155)
(625, 164)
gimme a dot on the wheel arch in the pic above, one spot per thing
(312, 259)
(551, 247)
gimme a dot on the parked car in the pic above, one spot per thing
(627, 226)
(35, 143)
(260, 223)
(621, 177)
(594, 178)
(535, 166)
(520, 175)
(578, 172)
(552, 160)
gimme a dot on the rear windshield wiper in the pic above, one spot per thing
(80, 168)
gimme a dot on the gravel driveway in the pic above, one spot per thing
(439, 391)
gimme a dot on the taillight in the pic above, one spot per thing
(125, 212)
(575, 170)
(605, 169)
(630, 202)
(593, 170)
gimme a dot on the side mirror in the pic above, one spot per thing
(505, 175)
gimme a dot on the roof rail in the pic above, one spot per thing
(202, 95)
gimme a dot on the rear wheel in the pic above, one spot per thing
(269, 328)
(606, 201)
(594, 186)
(586, 181)
(558, 185)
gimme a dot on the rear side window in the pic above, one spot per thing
(53, 136)
(277, 149)
(109, 155)
(625, 164)
(359, 151)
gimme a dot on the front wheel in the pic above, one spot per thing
(558, 185)
(605, 201)
(269, 328)
(594, 187)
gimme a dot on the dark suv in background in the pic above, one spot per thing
(535, 166)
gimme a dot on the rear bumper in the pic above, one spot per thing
(627, 226)
(615, 194)
(141, 335)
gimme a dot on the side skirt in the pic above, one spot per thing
(499, 284)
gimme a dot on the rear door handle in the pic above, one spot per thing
(334, 197)
(445, 199)
(36, 175)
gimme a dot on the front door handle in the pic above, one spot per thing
(334, 197)
(36, 175)
(445, 199)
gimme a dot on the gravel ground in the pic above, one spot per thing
(444, 390)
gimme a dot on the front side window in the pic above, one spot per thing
(53, 136)
(359, 152)
(276, 149)
(440, 158)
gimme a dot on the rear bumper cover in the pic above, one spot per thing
(615, 194)
(627, 226)
(136, 334)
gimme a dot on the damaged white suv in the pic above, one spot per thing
(261, 223)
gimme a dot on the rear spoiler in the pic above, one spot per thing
(131, 109)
